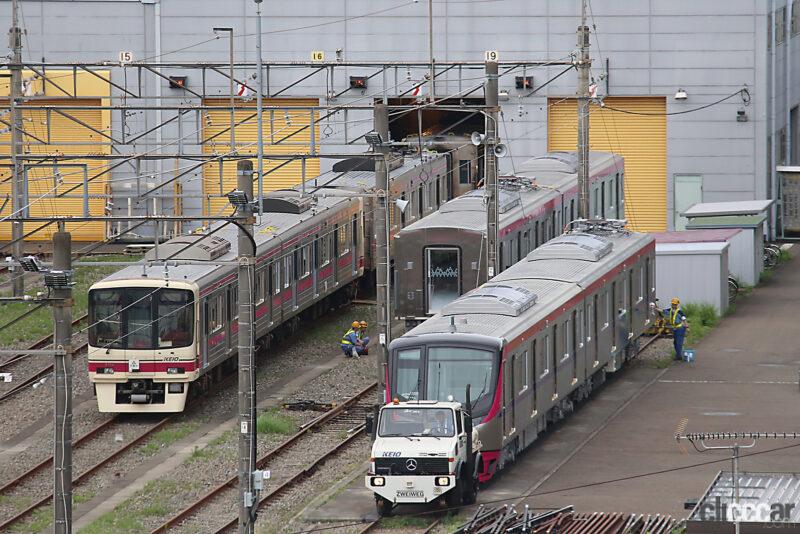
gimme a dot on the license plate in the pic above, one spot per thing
(413, 494)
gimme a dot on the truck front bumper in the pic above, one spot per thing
(408, 489)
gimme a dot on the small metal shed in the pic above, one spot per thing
(739, 207)
(768, 503)
(740, 254)
(696, 273)
(752, 227)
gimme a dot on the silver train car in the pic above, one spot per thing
(535, 340)
(156, 331)
(441, 257)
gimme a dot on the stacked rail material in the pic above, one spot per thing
(506, 519)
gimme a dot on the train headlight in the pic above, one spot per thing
(175, 387)
(105, 371)
(175, 370)
(377, 481)
(442, 481)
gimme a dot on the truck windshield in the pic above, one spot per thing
(141, 318)
(419, 422)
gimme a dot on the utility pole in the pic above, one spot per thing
(232, 149)
(62, 453)
(260, 111)
(490, 169)
(382, 223)
(247, 392)
(583, 64)
(431, 82)
(17, 185)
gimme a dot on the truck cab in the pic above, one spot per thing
(421, 453)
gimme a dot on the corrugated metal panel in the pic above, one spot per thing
(277, 125)
(640, 139)
(42, 180)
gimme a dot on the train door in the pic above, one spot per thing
(354, 238)
(591, 333)
(233, 316)
(442, 275)
(296, 277)
(555, 358)
(508, 395)
(333, 239)
(614, 310)
(629, 303)
(574, 329)
(275, 291)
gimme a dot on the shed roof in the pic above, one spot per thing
(697, 236)
(691, 249)
(755, 488)
(726, 221)
(739, 207)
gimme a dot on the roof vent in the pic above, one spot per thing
(191, 247)
(574, 246)
(508, 200)
(497, 299)
(553, 162)
(293, 205)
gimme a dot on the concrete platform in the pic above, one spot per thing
(745, 379)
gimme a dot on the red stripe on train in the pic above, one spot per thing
(144, 367)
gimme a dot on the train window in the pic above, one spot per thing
(596, 204)
(407, 372)
(607, 299)
(215, 307)
(603, 199)
(438, 187)
(536, 235)
(305, 260)
(341, 239)
(175, 313)
(450, 369)
(421, 200)
(502, 256)
(522, 371)
(276, 277)
(647, 273)
(543, 358)
(572, 210)
(288, 270)
(618, 193)
(324, 246)
(526, 243)
(464, 172)
(354, 232)
(519, 247)
(590, 315)
(234, 302)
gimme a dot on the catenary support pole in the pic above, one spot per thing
(17, 182)
(382, 222)
(259, 111)
(583, 64)
(490, 169)
(62, 453)
(246, 354)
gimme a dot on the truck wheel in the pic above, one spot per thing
(453, 497)
(383, 506)
(470, 491)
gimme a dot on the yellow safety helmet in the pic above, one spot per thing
(676, 300)
(355, 324)
(363, 324)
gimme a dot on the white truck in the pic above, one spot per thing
(421, 453)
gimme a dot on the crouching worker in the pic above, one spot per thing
(351, 344)
(363, 337)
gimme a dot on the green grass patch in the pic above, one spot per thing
(17, 502)
(404, 521)
(275, 422)
(222, 438)
(766, 276)
(664, 361)
(167, 436)
(78, 497)
(124, 519)
(40, 322)
(702, 318)
(450, 522)
(39, 520)
(200, 454)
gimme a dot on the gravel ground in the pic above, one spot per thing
(32, 403)
(212, 465)
(41, 484)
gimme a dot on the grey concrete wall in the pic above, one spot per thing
(709, 48)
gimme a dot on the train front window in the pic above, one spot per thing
(450, 369)
(408, 374)
(141, 318)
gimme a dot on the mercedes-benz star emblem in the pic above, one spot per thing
(411, 464)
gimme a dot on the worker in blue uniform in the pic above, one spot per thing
(351, 344)
(363, 337)
(677, 321)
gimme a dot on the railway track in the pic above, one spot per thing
(39, 374)
(341, 425)
(41, 343)
(369, 527)
(79, 443)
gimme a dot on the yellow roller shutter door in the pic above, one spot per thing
(640, 139)
(292, 127)
(57, 189)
